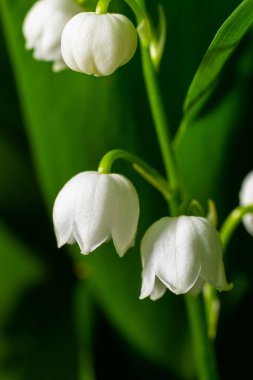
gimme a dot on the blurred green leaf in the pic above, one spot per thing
(223, 45)
(72, 120)
(20, 270)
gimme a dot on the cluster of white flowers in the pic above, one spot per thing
(59, 31)
(180, 253)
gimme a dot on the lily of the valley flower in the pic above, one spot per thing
(43, 26)
(98, 43)
(181, 254)
(246, 199)
(92, 208)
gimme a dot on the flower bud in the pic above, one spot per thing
(181, 254)
(246, 199)
(43, 27)
(98, 43)
(92, 208)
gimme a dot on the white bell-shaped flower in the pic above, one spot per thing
(92, 208)
(43, 26)
(246, 199)
(181, 254)
(98, 43)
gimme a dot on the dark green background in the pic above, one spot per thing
(56, 305)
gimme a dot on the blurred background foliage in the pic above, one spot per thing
(66, 316)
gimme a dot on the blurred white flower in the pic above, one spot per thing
(92, 208)
(181, 254)
(98, 43)
(246, 199)
(43, 26)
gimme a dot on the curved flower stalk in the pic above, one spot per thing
(181, 254)
(98, 44)
(246, 199)
(43, 26)
(92, 208)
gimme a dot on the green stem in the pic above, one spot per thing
(232, 221)
(138, 11)
(212, 307)
(162, 127)
(146, 171)
(83, 320)
(203, 346)
(102, 6)
(228, 228)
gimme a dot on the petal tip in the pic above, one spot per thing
(60, 242)
(85, 252)
(144, 294)
(228, 287)
(122, 250)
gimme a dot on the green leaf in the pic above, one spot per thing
(223, 45)
(203, 150)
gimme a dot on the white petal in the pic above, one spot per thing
(166, 251)
(124, 212)
(79, 211)
(246, 192)
(98, 44)
(197, 287)
(118, 45)
(63, 216)
(248, 223)
(148, 283)
(59, 65)
(151, 287)
(158, 290)
(43, 26)
(92, 210)
(246, 199)
(208, 249)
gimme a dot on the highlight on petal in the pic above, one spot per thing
(126, 212)
(91, 227)
(208, 248)
(63, 217)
